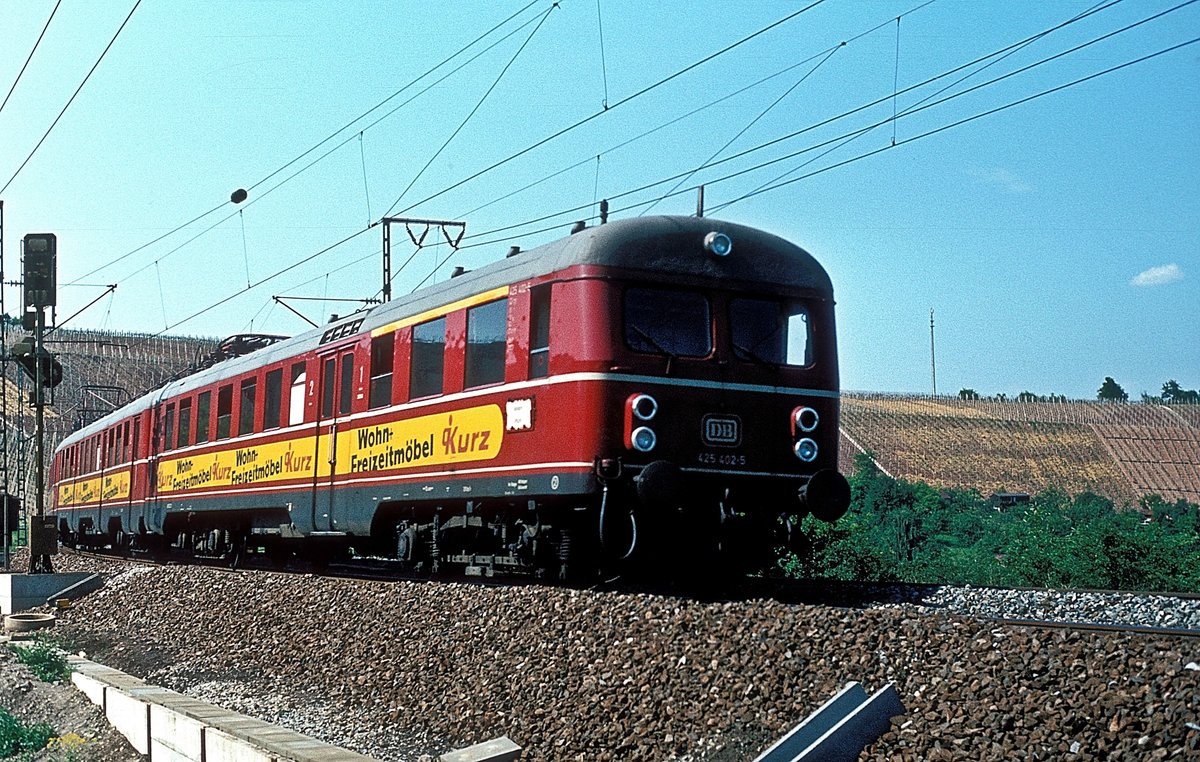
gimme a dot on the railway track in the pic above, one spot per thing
(1060, 607)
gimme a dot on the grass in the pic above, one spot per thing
(17, 738)
(44, 659)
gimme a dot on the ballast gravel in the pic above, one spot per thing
(1062, 606)
(406, 671)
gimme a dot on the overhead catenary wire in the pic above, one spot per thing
(325, 140)
(260, 196)
(988, 112)
(694, 111)
(923, 135)
(880, 150)
(72, 98)
(996, 59)
(366, 186)
(474, 110)
(741, 172)
(745, 129)
(895, 80)
(36, 43)
(864, 107)
(603, 65)
(563, 131)
(623, 101)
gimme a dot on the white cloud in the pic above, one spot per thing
(1000, 178)
(1158, 276)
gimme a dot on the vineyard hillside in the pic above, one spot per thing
(1120, 450)
(102, 370)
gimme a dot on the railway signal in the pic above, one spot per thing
(41, 251)
(36, 364)
(39, 291)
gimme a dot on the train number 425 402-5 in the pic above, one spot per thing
(724, 459)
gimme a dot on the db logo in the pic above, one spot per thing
(721, 430)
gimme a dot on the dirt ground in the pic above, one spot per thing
(85, 735)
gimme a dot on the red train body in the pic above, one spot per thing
(663, 388)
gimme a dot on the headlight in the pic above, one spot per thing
(805, 419)
(644, 407)
(644, 439)
(718, 244)
(806, 450)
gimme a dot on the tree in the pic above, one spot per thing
(968, 394)
(1111, 391)
(1173, 392)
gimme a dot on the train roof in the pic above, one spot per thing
(658, 246)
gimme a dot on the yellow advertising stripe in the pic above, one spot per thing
(112, 487)
(437, 312)
(458, 436)
(271, 462)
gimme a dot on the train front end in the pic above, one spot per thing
(722, 397)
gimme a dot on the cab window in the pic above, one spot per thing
(771, 331)
(666, 322)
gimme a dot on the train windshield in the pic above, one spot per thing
(771, 331)
(672, 323)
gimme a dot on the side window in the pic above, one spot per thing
(246, 409)
(539, 332)
(382, 358)
(428, 358)
(346, 386)
(487, 326)
(128, 454)
(296, 395)
(224, 411)
(273, 399)
(185, 424)
(203, 406)
(169, 427)
(133, 443)
(328, 386)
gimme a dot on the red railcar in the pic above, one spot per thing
(660, 388)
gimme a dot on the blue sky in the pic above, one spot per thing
(1058, 240)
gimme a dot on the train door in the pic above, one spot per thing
(333, 410)
(154, 509)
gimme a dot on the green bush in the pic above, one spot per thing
(16, 737)
(45, 659)
(905, 531)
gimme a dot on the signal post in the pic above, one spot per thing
(40, 250)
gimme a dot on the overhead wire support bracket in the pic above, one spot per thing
(279, 298)
(418, 241)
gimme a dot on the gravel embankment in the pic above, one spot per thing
(398, 670)
(1125, 609)
(1139, 610)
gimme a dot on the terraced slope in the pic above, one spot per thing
(102, 370)
(1119, 451)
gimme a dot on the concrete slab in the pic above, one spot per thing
(91, 687)
(220, 746)
(130, 716)
(501, 749)
(174, 737)
(22, 592)
(169, 726)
